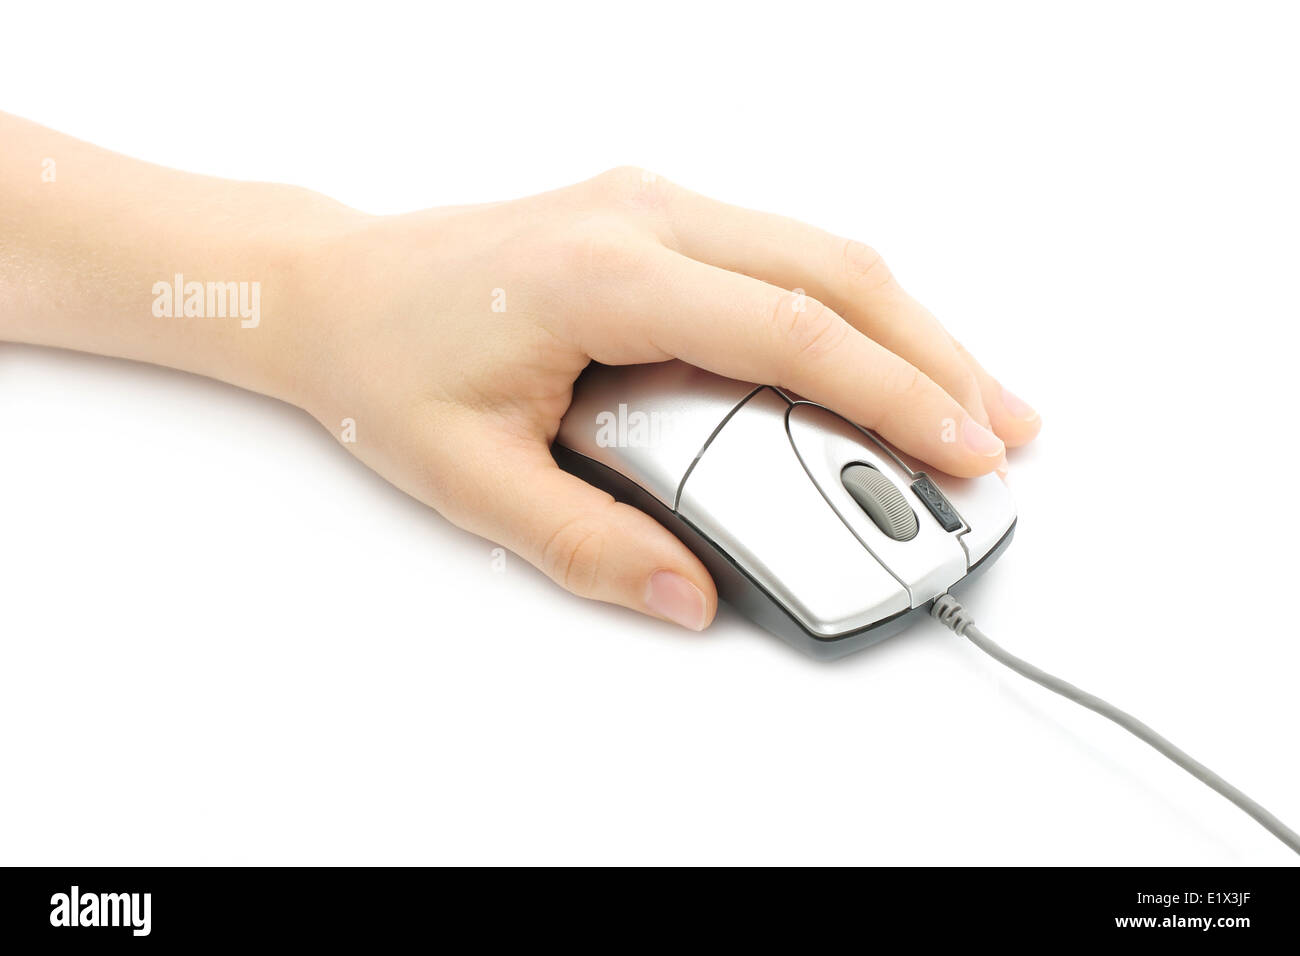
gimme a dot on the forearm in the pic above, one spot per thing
(92, 243)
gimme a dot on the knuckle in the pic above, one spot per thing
(572, 555)
(957, 379)
(632, 186)
(620, 177)
(897, 389)
(904, 381)
(808, 328)
(863, 267)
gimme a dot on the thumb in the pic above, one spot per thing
(592, 545)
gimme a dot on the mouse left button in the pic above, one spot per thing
(648, 422)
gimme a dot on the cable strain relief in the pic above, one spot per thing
(948, 611)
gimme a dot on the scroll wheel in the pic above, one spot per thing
(881, 499)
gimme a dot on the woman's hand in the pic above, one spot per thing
(452, 339)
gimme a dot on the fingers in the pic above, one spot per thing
(848, 276)
(579, 536)
(1012, 418)
(747, 329)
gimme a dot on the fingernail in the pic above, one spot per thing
(670, 595)
(1017, 407)
(1002, 469)
(980, 440)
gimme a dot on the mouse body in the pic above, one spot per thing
(814, 528)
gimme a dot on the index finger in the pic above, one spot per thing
(747, 329)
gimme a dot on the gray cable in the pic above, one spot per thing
(951, 614)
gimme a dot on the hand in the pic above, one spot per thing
(452, 338)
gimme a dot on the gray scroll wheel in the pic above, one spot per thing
(881, 499)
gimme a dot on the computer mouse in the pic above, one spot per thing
(813, 527)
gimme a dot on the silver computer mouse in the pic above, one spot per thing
(814, 528)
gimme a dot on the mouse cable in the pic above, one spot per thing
(948, 612)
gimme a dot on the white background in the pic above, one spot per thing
(224, 641)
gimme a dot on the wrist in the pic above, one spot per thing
(284, 351)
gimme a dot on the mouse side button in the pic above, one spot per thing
(936, 503)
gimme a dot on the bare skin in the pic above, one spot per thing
(452, 337)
